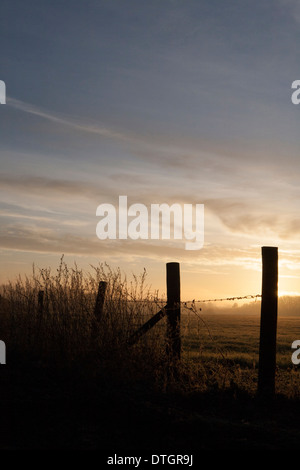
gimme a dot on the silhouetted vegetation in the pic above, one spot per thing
(59, 349)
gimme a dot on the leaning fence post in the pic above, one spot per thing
(268, 322)
(173, 310)
(98, 310)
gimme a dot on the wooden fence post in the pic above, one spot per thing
(98, 311)
(147, 326)
(40, 302)
(268, 322)
(173, 310)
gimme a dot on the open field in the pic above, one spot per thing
(236, 337)
(230, 343)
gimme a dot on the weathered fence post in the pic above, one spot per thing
(268, 322)
(100, 300)
(40, 302)
(147, 326)
(173, 310)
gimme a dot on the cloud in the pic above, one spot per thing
(240, 213)
(165, 151)
(42, 219)
(242, 216)
(37, 183)
(178, 152)
(37, 239)
(293, 6)
(68, 121)
(252, 218)
(43, 186)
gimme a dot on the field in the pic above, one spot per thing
(229, 343)
(72, 381)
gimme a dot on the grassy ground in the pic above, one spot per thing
(229, 344)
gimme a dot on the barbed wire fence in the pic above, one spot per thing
(171, 311)
(190, 306)
(198, 331)
(194, 301)
(244, 297)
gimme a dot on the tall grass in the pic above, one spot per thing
(219, 351)
(66, 330)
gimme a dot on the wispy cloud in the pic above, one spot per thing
(142, 146)
(178, 152)
(37, 239)
(49, 186)
(293, 6)
(240, 213)
(215, 259)
(77, 125)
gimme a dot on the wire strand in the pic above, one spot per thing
(185, 302)
(248, 297)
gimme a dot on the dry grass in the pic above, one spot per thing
(219, 351)
(66, 332)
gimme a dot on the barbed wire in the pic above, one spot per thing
(244, 297)
(194, 301)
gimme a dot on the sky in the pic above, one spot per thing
(165, 101)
